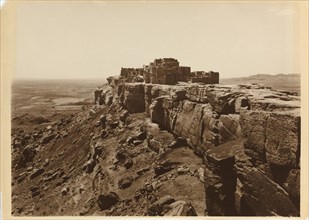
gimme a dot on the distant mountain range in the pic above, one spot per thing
(290, 82)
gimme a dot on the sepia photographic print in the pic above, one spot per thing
(154, 108)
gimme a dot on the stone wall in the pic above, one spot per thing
(204, 77)
(161, 75)
(166, 63)
(128, 72)
(163, 71)
(183, 73)
(131, 75)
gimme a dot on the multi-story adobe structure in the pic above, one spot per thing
(167, 71)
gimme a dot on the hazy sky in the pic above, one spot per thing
(87, 39)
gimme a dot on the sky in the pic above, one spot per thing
(94, 39)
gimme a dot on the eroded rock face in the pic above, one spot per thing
(133, 98)
(156, 112)
(253, 127)
(263, 196)
(248, 135)
(292, 186)
(229, 128)
(283, 139)
(272, 136)
(97, 95)
(189, 121)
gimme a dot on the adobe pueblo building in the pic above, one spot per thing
(165, 71)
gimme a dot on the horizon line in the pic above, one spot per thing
(104, 78)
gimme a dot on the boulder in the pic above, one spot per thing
(137, 142)
(128, 163)
(182, 170)
(36, 172)
(141, 135)
(200, 173)
(113, 124)
(163, 167)
(98, 123)
(65, 191)
(158, 207)
(108, 200)
(123, 115)
(21, 177)
(49, 127)
(168, 206)
(179, 142)
(122, 155)
(35, 191)
(89, 165)
(47, 138)
(102, 119)
(142, 171)
(181, 208)
(125, 182)
(96, 151)
(154, 145)
(28, 155)
(92, 112)
(103, 134)
(16, 143)
(130, 140)
(160, 141)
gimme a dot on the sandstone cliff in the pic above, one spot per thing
(248, 136)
